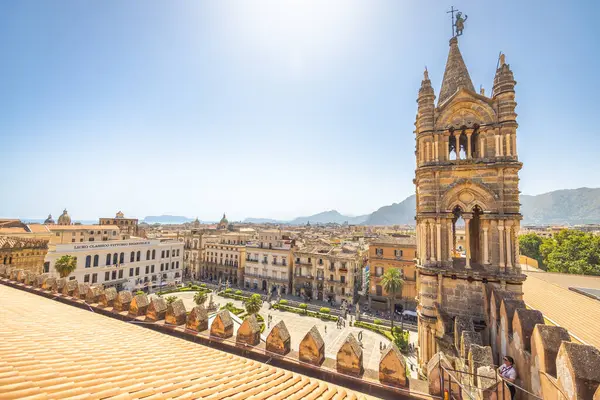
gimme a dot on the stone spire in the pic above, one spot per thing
(456, 74)
(425, 101)
(504, 91)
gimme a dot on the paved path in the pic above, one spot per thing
(299, 325)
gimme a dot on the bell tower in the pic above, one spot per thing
(467, 188)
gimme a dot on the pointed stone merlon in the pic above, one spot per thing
(157, 309)
(392, 367)
(479, 356)
(222, 325)
(249, 332)
(59, 284)
(69, 287)
(279, 339)
(349, 358)
(312, 348)
(108, 297)
(578, 370)
(197, 319)
(93, 294)
(176, 313)
(466, 340)
(139, 305)
(21, 275)
(7, 270)
(40, 279)
(524, 321)
(461, 324)
(31, 278)
(545, 342)
(3, 270)
(123, 301)
(435, 368)
(14, 274)
(81, 290)
(48, 283)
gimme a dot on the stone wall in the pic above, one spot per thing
(548, 364)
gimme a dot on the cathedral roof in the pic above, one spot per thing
(456, 74)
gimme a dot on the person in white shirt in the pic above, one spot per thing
(508, 372)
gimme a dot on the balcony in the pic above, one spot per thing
(249, 260)
(303, 276)
(266, 277)
(265, 262)
(343, 269)
(320, 278)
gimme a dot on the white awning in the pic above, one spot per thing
(409, 313)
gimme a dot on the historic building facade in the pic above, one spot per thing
(268, 262)
(388, 253)
(327, 273)
(136, 264)
(467, 170)
(23, 253)
(126, 225)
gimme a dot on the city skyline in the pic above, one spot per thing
(272, 111)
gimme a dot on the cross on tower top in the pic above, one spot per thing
(458, 24)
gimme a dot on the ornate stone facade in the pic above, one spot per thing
(467, 169)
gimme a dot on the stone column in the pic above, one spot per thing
(439, 291)
(437, 148)
(450, 241)
(438, 246)
(508, 140)
(514, 143)
(431, 242)
(481, 146)
(467, 242)
(447, 156)
(508, 231)
(469, 133)
(457, 136)
(501, 244)
(485, 243)
(426, 151)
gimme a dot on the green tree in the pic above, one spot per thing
(171, 299)
(253, 304)
(572, 252)
(392, 283)
(200, 298)
(529, 245)
(65, 265)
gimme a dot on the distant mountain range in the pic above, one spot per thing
(569, 206)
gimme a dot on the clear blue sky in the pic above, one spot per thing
(269, 108)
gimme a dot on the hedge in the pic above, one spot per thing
(233, 296)
(283, 302)
(400, 340)
(304, 312)
(324, 310)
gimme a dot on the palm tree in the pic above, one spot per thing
(392, 283)
(65, 265)
(200, 298)
(253, 304)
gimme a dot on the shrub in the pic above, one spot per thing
(203, 285)
(377, 321)
(238, 292)
(303, 307)
(190, 284)
(139, 292)
(171, 299)
(324, 310)
(283, 302)
(228, 290)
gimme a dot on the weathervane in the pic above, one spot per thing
(458, 24)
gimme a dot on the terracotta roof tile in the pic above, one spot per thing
(75, 353)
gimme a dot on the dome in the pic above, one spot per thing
(64, 219)
(120, 215)
(49, 220)
(223, 223)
